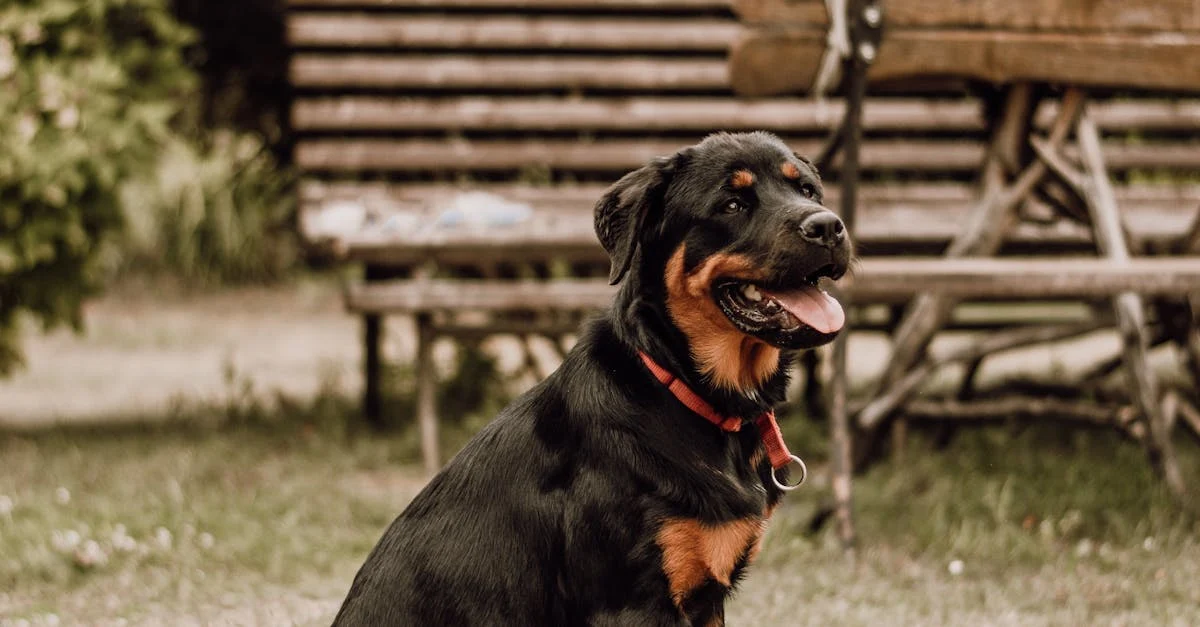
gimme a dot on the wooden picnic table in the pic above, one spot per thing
(1024, 47)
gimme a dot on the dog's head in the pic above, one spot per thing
(730, 238)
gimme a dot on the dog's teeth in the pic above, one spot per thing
(751, 292)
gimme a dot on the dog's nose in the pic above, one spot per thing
(823, 228)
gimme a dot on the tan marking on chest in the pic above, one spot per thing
(694, 552)
(758, 541)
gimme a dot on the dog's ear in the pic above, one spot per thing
(627, 208)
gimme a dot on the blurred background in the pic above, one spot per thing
(251, 251)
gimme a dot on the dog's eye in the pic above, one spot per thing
(733, 206)
(808, 191)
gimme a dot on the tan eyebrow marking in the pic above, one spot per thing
(741, 179)
(790, 170)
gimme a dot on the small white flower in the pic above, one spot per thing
(90, 554)
(162, 536)
(206, 540)
(65, 540)
(1084, 548)
(67, 118)
(6, 505)
(955, 567)
(27, 125)
(8, 60)
(31, 33)
(62, 496)
(1148, 544)
(51, 620)
(122, 541)
(51, 96)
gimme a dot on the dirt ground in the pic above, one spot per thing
(141, 353)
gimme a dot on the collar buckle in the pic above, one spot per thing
(768, 428)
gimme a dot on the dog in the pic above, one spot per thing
(633, 485)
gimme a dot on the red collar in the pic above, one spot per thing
(777, 450)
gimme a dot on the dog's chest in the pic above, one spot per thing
(695, 553)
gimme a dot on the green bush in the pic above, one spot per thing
(210, 212)
(88, 89)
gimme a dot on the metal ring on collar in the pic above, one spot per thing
(803, 475)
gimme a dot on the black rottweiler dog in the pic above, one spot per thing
(633, 485)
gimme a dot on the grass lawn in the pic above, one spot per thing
(264, 521)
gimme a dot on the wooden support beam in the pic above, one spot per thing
(1189, 244)
(1170, 410)
(1130, 312)
(847, 140)
(895, 395)
(1148, 61)
(1022, 278)
(1066, 172)
(1192, 343)
(372, 404)
(1039, 409)
(876, 280)
(815, 402)
(938, 156)
(1025, 15)
(1094, 376)
(984, 229)
(426, 376)
(1190, 416)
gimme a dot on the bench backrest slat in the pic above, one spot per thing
(434, 94)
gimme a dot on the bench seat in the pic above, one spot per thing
(873, 280)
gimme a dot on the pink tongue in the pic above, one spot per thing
(813, 307)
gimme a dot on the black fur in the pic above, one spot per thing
(550, 515)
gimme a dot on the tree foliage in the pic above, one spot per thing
(88, 89)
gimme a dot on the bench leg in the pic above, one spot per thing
(1159, 448)
(1191, 346)
(841, 446)
(373, 370)
(814, 388)
(1130, 311)
(427, 393)
(983, 233)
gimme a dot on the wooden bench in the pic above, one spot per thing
(403, 106)
(875, 280)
